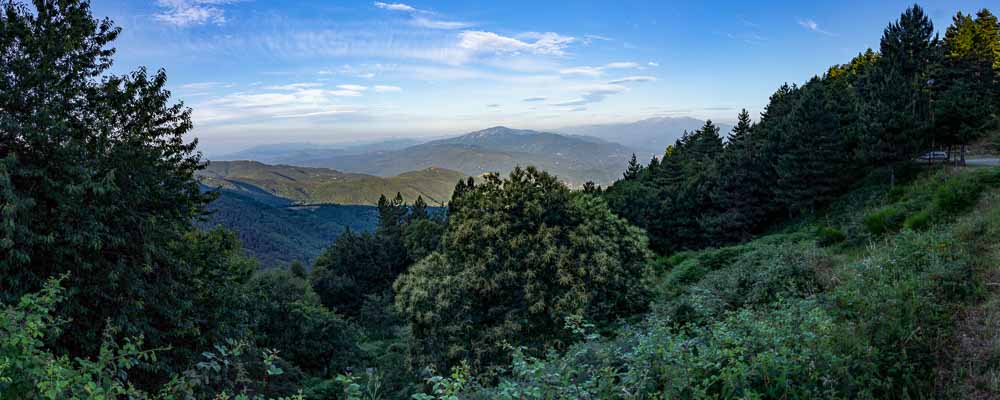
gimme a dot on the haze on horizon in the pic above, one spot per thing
(267, 71)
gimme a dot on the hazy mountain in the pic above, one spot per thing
(499, 149)
(650, 136)
(295, 153)
(303, 185)
(277, 232)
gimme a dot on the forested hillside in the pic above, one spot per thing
(278, 232)
(810, 254)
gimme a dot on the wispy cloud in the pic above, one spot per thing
(629, 79)
(387, 89)
(294, 86)
(394, 6)
(534, 99)
(273, 103)
(588, 39)
(356, 88)
(494, 105)
(653, 64)
(813, 26)
(423, 18)
(202, 85)
(183, 13)
(597, 71)
(548, 43)
(593, 94)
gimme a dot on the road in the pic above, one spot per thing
(983, 161)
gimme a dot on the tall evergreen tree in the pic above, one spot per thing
(896, 91)
(634, 169)
(811, 168)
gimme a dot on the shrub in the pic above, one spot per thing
(827, 236)
(885, 220)
(919, 221)
(957, 194)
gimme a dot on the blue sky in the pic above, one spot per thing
(263, 71)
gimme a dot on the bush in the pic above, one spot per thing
(885, 220)
(827, 236)
(957, 194)
(919, 221)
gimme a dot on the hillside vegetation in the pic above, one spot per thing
(325, 186)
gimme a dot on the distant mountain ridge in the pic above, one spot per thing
(573, 159)
(304, 185)
(649, 136)
(288, 153)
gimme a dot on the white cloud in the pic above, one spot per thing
(629, 79)
(813, 26)
(183, 13)
(534, 99)
(423, 18)
(588, 39)
(593, 94)
(394, 6)
(425, 22)
(548, 43)
(294, 86)
(653, 64)
(589, 71)
(387, 88)
(355, 88)
(494, 105)
(273, 103)
(201, 85)
(597, 71)
(621, 65)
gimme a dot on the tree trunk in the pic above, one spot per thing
(963, 155)
(892, 177)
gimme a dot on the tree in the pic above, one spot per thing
(967, 89)
(520, 256)
(289, 317)
(634, 169)
(99, 180)
(298, 270)
(896, 93)
(419, 209)
(355, 265)
(815, 162)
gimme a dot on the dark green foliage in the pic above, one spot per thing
(100, 185)
(896, 110)
(288, 316)
(886, 220)
(919, 221)
(277, 233)
(816, 160)
(827, 236)
(356, 263)
(520, 256)
(956, 194)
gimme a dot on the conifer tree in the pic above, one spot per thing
(896, 92)
(634, 169)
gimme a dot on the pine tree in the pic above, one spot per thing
(634, 169)
(419, 209)
(740, 135)
(811, 168)
(896, 92)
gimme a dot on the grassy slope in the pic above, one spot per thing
(320, 185)
(870, 299)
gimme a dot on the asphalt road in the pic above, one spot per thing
(983, 161)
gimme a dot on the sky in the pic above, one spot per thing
(267, 71)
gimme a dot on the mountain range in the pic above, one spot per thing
(303, 185)
(647, 137)
(575, 160)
